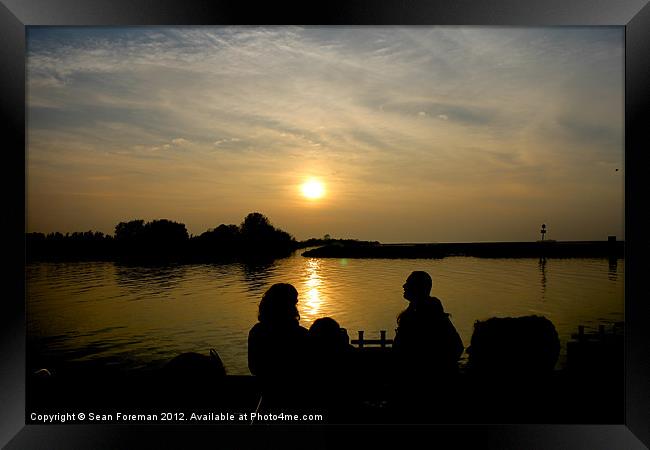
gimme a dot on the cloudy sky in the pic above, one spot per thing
(418, 134)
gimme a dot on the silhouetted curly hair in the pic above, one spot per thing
(278, 305)
(514, 345)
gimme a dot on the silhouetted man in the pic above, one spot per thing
(426, 348)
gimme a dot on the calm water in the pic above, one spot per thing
(132, 317)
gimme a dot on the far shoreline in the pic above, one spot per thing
(352, 249)
(539, 249)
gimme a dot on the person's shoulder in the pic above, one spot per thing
(257, 329)
(434, 307)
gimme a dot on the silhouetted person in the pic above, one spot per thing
(192, 379)
(277, 348)
(514, 347)
(511, 362)
(330, 368)
(426, 350)
(196, 366)
(426, 342)
(328, 339)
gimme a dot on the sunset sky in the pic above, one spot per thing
(415, 134)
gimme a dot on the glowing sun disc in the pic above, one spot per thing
(313, 189)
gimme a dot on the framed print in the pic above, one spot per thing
(259, 225)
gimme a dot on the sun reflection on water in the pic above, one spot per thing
(312, 297)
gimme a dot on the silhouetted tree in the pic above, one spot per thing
(165, 231)
(165, 239)
(223, 234)
(261, 238)
(160, 238)
(221, 242)
(256, 224)
(79, 244)
(87, 236)
(159, 231)
(129, 231)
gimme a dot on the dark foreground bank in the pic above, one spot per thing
(587, 394)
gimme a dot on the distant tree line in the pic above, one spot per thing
(163, 239)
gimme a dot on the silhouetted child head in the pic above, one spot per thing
(279, 305)
(417, 286)
(326, 333)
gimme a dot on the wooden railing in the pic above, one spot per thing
(600, 351)
(382, 342)
(615, 331)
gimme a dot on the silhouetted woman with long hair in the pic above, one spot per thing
(277, 347)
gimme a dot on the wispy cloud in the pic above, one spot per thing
(244, 114)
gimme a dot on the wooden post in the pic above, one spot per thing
(360, 338)
(382, 343)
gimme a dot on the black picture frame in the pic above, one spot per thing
(634, 15)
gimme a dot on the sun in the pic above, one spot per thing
(313, 189)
